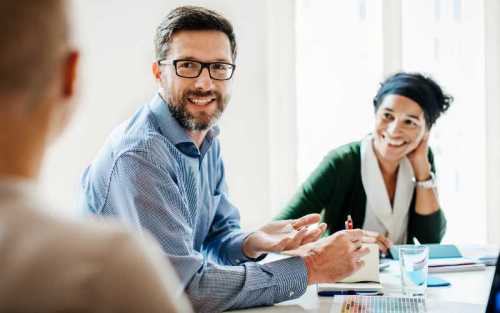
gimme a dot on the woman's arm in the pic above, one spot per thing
(428, 223)
(426, 200)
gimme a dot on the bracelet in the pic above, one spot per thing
(426, 184)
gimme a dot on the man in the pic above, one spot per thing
(49, 264)
(162, 170)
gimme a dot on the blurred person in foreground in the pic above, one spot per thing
(48, 263)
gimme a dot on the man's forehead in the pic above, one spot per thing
(202, 45)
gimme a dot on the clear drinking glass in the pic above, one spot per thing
(414, 265)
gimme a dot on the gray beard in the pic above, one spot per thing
(188, 121)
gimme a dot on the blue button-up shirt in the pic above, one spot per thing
(151, 175)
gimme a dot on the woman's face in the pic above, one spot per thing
(399, 127)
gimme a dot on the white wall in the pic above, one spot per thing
(116, 40)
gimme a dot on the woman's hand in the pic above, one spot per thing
(418, 159)
(384, 244)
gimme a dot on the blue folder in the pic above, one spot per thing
(433, 281)
(436, 251)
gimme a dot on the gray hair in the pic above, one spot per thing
(191, 18)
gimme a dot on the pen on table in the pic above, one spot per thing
(333, 293)
(348, 223)
(416, 242)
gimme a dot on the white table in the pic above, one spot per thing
(466, 287)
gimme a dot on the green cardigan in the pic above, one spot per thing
(335, 189)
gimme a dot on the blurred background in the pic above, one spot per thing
(307, 71)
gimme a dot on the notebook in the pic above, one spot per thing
(367, 279)
(369, 272)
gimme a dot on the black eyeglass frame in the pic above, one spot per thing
(203, 65)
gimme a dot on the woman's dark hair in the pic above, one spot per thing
(419, 88)
(191, 18)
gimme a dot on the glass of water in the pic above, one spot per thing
(414, 265)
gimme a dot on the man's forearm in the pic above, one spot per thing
(217, 288)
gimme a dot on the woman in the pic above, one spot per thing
(386, 181)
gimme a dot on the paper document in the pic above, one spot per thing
(454, 265)
(458, 268)
(369, 272)
(450, 262)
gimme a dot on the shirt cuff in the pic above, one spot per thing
(235, 250)
(290, 278)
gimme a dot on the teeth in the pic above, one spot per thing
(201, 101)
(393, 142)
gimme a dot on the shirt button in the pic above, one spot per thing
(237, 261)
(291, 293)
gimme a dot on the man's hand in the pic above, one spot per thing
(335, 257)
(284, 235)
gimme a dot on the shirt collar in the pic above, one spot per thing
(175, 133)
(378, 204)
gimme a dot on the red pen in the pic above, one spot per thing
(348, 224)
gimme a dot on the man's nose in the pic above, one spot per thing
(204, 81)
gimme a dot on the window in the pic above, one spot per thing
(444, 38)
(340, 61)
(339, 65)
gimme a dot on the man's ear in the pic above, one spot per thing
(70, 74)
(156, 71)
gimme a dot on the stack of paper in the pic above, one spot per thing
(454, 265)
(488, 259)
(487, 254)
(444, 258)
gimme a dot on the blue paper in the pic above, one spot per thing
(436, 251)
(433, 281)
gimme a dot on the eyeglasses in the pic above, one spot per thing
(193, 69)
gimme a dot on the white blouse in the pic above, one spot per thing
(381, 216)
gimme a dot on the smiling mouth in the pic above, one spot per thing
(201, 101)
(395, 143)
